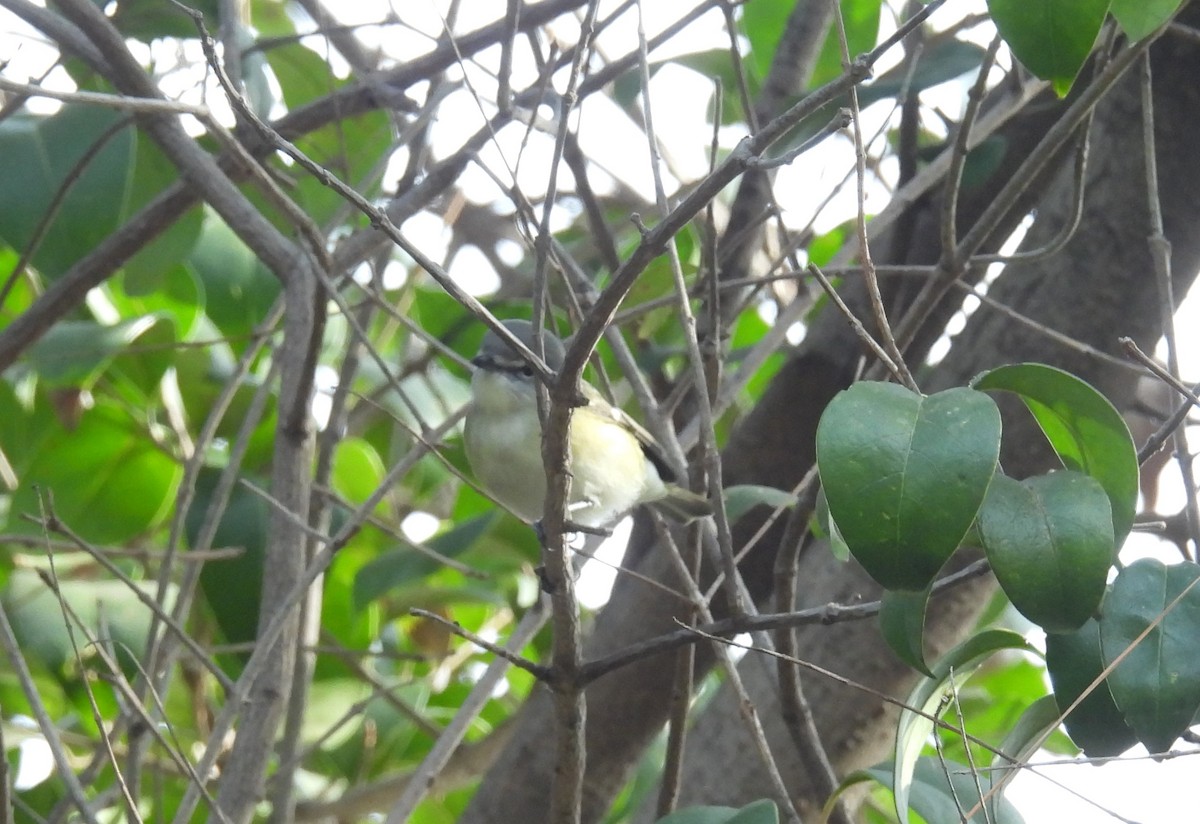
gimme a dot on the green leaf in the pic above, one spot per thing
(238, 287)
(157, 260)
(983, 162)
(902, 621)
(405, 565)
(108, 608)
(351, 148)
(762, 811)
(1052, 38)
(175, 295)
(110, 482)
(151, 19)
(1139, 18)
(232, 586)
(37, 156)
(303, 74)
(994, 702)
(1157, 684)
(1086, 431)
(1023, 740)
(827, 528)
(942, 63)
(75, 352)
(357, 469)
(763, 24)
(948, 674)
(1049, 540)
(1074, 662)
(861, 20)
(905, 474)
(942, 794)
(138, 369)
(824, 248)
(742, 498)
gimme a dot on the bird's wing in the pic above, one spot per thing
(598, 406)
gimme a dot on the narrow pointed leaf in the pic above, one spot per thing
(1022, 742)
(942, 792)
(742, 498)
(1157, 685)
(904, 475)
(950, 671)
(404, 565)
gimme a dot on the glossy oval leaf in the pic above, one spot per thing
(357, 469)
(904, 474)
(238, 287)
(1074, 662)
(1049, 540)
(75, 352)
(1051, 38)
(1086, 431)
(109, 482)
(1139, 18)
(147, 271)
(913, 729)
(1157, 684)
(108, 608)
(86, 149)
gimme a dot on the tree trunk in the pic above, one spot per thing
(1099, 287)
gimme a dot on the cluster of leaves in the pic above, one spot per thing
(164, 374)
(1053, 38)
(100, 419)
(909, 478)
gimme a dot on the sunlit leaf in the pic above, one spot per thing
(108, 481)
(949, 673)
(860, 19)
(943, 792)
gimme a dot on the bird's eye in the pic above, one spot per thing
(527, 371)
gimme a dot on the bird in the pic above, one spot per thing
(615, 464)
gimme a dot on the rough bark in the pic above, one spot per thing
(1097, 289)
